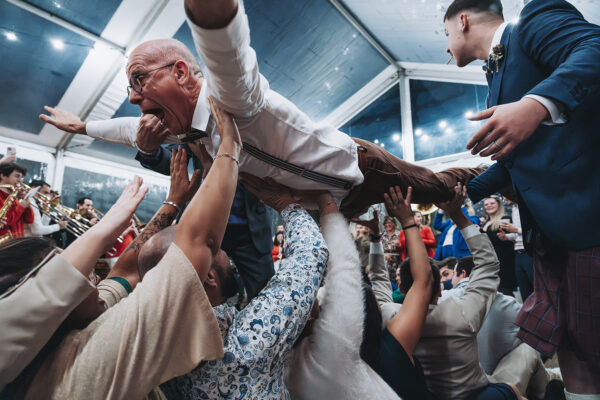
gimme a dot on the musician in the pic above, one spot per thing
(20, 212)
(88, 204)
(41, 223)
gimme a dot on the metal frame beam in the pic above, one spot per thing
(365, 33)
(55, 19)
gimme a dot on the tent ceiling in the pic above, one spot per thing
(309, 52)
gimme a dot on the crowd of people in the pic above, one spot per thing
(205, 301)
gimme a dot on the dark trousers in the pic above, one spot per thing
(524, 273)
(255, 268)
(381, 170)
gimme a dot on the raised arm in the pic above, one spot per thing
(291, 292)
(407, 325)
(222, 37)
(202, 226)
(84, 251)
(342, 305)
(180, 191)
(483, 280)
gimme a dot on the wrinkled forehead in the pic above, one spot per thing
(141, 59)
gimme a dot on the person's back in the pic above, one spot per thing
(448, 346)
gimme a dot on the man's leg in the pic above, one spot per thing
(381, 170)
(518, 367)
(524, 273)
(255, 268)
(579, 352)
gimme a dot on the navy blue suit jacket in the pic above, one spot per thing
(552, 52)
(256, 212)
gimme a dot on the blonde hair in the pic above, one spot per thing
(495, 220)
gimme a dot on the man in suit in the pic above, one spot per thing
(247, 238)
(542, 126)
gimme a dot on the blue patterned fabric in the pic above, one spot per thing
(257, 339)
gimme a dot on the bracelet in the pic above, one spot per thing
(229, 156)
(144, 152)
(409, 226)
(170, 203)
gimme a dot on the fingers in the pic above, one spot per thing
(485, 114)
(394, 195)
(483, 137)
(408, 195)
(196, 178)
(496, 145)
(504, 152)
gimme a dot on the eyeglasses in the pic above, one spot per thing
(136, 81)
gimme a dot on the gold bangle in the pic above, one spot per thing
(229, 156)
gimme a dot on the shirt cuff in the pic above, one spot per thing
(469, 232)
(376, 248)
(149, 160)
(556, 116)
(229, 38)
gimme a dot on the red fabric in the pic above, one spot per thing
(275, 252)
(428, 240)
(16, 217)
(120, 247)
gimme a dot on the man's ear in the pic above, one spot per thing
(182, 72)
(211, 280)
(464, 22)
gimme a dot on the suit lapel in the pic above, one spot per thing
(497, 78)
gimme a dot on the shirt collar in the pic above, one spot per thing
(202, 110)
(498, 36)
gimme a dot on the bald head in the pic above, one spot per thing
(154, 249)
(161, 51)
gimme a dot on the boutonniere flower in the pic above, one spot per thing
(497, 55)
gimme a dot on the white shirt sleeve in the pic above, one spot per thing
(469, 231)
(376, 248)
(556, 116)
(232, 77)
(37, 228)
(115, 131)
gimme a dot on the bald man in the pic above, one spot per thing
(280, 141)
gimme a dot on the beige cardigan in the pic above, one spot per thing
(447, 349)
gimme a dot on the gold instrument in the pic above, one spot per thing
(426, 211)
(6, 206)
(77, 225)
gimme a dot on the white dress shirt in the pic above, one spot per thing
(518, 236)
(556, 117)
(265, 119)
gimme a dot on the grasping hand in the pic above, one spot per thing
(507, 126)
(182, 188)
(454, 205)
(372, 224)
(398, 206)
(63, 120)
(225, 124)
(502, 235)
(120, 213)
(200, 152)
(151, 133)
(268, 191)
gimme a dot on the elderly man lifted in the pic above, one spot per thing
(279, 140)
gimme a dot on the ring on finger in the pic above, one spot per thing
(497, 145)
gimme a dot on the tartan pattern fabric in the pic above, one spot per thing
(565, 305)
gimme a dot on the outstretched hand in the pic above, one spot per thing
(507, 125)
(63, 120)
(225, 124)
(454, 205)
(119, 215)
(372, 224)
(399, 206)
(182, 188)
